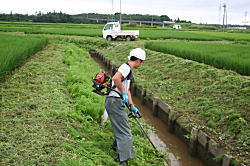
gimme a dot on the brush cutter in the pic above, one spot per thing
(100, 84)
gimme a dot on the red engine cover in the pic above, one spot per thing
(100, 77)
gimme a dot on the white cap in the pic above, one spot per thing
(138, 53)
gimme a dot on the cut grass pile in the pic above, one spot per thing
(15, 49)
(29, 133)
(210, 99)
(225, 56)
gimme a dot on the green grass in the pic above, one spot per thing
(225, 56)
(55, 30)
(216, 101)
(202, 27)
(95, 30)
(175, 34)
(49, 25)
(41, 124)
(15, 49)
(68, 31)
(91, 105)
(79, 82)
(87, 44)
(227, 35)
(30, 134)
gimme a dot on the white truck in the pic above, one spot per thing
(112, 31)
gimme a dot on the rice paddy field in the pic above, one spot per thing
(95, 30)
(49, 116)
(15, 49)
(225, 56)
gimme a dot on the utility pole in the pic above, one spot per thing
(245, 17)
(219, 14)
(121, 12)
(112, 14)
(152, 20)
(224, 16)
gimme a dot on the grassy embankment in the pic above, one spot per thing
(15, 49)
(216, 101)
(225, 56)
(42, 125)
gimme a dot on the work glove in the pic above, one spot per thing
(124, 98)
(134, 109)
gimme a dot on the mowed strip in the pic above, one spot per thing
(29, 133)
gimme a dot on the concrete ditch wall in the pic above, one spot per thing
(198, 142)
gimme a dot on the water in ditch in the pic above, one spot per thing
(162, 139)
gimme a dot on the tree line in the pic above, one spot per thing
(85, 18)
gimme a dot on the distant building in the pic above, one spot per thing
(241, 28)
(177, 27)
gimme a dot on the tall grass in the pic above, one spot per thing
(95, 30)
(68, 31)
(15, 49)
(60, 31)
(172, 34)
(226, 35)
(58, 25)
(226, 56)
(82, 70)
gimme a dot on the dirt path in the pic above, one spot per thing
(30, 133)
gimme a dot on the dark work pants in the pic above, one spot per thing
(122, 132)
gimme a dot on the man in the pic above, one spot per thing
(115, 106)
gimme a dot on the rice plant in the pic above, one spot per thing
(225, 56)
(171, 34)
(15, 49)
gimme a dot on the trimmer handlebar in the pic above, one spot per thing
(98, 87)
(132, 114)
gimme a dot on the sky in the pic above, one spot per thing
(197, 11)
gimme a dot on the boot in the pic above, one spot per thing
(124, 162)
(121, 162)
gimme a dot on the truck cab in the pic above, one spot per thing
(112, 26)
(112, 31)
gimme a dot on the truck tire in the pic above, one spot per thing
(128, 38)
(109, 38)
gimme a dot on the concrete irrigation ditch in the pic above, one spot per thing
(198, 142)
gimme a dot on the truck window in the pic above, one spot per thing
(108, 27)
